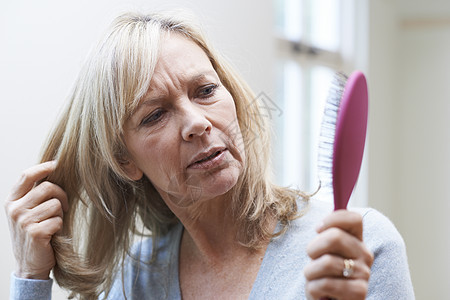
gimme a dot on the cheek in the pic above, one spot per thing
(232, 132)
(225, 118)
(155, 157)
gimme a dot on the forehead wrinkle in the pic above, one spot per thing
(149, 98)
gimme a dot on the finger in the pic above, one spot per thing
(337, 242)
(348, 221)
(334, 241)
(43, 192)
(337, 288)
(29, 177)
(333, 266)
(26, 218)
(44, 230)
(47, 210)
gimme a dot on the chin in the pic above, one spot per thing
(197, 189)
(198, 186)
(221, 183)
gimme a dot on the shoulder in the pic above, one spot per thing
(378, 229)
(380, 234)
(390, 277)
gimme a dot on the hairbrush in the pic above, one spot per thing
(342, 136)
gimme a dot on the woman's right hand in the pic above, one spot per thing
(35, 214)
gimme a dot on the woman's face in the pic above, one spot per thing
(184, 135)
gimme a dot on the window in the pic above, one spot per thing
(315, 39)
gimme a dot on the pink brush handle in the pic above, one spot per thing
(351, 126)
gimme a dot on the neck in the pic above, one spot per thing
(211, 231)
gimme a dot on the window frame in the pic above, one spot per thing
(350, 55)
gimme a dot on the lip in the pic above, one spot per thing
(202, 160)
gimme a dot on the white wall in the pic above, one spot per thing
(409, 164)
(424, 155)
(43, 44)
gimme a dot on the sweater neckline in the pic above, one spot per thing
(174, 274)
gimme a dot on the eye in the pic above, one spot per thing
(153, 117)
(208, 91)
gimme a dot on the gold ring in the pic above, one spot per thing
(348, 268)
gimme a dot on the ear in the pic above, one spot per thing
(130, 168)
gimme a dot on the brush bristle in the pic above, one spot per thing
(328, 131)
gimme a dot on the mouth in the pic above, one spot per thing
(208, 158)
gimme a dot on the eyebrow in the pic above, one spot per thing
(196, 78)
(202, 76)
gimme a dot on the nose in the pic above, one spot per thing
(195, 123)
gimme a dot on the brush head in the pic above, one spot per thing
(351, 128)
(328, 133)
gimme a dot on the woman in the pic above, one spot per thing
(162, 138)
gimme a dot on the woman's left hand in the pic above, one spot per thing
(340, 266)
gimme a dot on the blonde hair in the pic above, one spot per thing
(106, 206)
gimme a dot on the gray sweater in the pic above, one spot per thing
(281, 273)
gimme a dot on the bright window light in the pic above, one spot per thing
(325, 29)
(293, 154)
(304, 79)
(289, 18)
